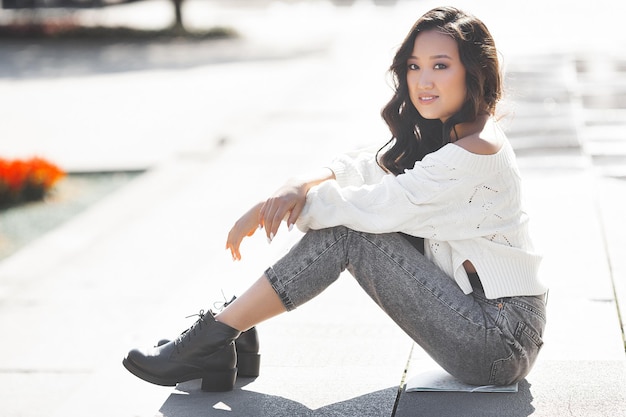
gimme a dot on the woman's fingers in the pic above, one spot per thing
(233, 242)
(285, 205)
(245, 226)
(273, 213)
(295, 213)
(268, 214)
(233, 246)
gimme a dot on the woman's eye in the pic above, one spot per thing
(413, 67)
(440, 66)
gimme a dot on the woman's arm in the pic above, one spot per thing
(357, 168)
(427, 200)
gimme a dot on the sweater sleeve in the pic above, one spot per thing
(429, 200)
(357, 168)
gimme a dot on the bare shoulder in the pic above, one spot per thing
(489, 141)
(478, 145)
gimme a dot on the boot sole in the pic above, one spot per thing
(212, 381)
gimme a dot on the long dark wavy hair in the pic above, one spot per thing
(413, 136)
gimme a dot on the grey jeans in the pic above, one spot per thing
(478, 340)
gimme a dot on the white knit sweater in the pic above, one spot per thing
(466, 206)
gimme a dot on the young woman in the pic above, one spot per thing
(431, 226)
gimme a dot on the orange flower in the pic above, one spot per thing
(26, 179)
(17, 174)
(43, 172)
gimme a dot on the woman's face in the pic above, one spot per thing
(436, 76)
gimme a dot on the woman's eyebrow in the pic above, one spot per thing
(438, 56)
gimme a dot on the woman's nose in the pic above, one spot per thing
(425, 80)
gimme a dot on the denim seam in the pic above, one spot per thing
(527, 307)
(522, 328)
(280, 289)
(495, 367)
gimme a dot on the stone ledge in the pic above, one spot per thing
(553, 389)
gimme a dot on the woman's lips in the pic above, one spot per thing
(427, 99)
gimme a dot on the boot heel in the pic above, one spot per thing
(219, 381)
(249, 364)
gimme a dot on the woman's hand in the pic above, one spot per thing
(286, 204)
(288, 201)
(245, 226)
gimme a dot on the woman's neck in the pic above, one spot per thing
(463, 130)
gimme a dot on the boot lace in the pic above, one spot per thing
(221, 305)
(179, 342)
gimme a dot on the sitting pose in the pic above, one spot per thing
(431, 226)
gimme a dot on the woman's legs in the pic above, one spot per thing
(461, 332)
(258, 303)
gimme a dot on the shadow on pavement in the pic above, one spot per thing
(191, 401)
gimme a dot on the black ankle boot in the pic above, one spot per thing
(247, 347)
(205, 350)
(248, 357)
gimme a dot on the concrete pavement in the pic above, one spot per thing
(129, 270)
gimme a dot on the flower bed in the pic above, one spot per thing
(26, 180)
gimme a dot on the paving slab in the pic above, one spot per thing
(611, 195)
